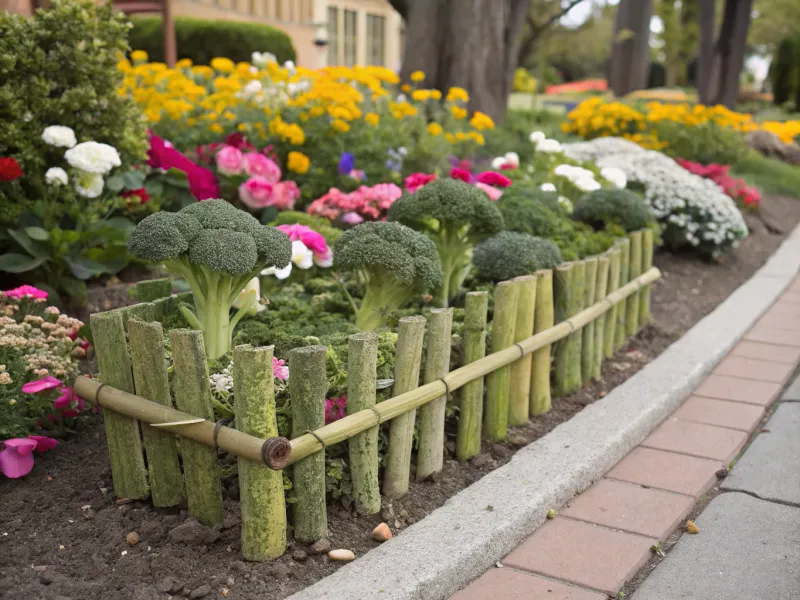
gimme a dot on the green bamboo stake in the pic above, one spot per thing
(544, 318)
(401, 432)
(603, 263)
(362, 358)
(144, 311)
(609, 335)
(430, 454)
(470, 414)
(520, 379)
(575, 339)
(498, 383)
(193, 396)
(624, 277)
(634, 270)
(149, 291)
(562, 302)
(260, 488)
(152, 383)
(588, 341)
(647, 263)
(307, 387)
(122, 433)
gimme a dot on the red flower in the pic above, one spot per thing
(462, 174)
(162, 155)
(492, 178)
(9, 169)
(141, 193)
(416, 180)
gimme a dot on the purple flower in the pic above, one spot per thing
(347, 163)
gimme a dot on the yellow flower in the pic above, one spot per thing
(458, 112)
(417, 76)
(421, 95)
(436, 94)
(476, 137)
(455, 94)
(340, 126)
(203, 71)
(183, 63)
(481, 121)
(223, 65)
(139, 56)
(405, 88)
(298, 162)
(435, 129)
(316, 111)
(372, 118)
(215, 127)
(450, 138)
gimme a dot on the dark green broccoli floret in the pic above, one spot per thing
(394, 261)
(511, 254)
(456, 216)
(218, 249)
(613, 207)
(534, 212)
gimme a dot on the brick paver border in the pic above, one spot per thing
(604, 535)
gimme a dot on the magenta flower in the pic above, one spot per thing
(335, 409)
(26, 291)
(279, 369)
(43, 443)
(312, 240)
(45, 383)
(492, 178)
(230, 160)
(65, 399)
(493, 193)
(16, 457)
(462, 174)
(416, 180)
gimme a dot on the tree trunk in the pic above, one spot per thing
(472, 44)
(630, 50)
(721, 86)
(705, 56)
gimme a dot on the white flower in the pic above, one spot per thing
(615, 176)
(279, 273)
(498, 162)
(56, 176)
(88, 185)
(547, 187)
(261, 59)
(512, 158)
(586, 184)
(536, 137)
(252, 88)
(59, 136)
(401, 98)
(325, 261)
(289, 66)
(301, 255)
(549, 146)
(93, 157)
(564, 170)
(249, 297)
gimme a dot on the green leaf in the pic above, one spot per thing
(37, 233)
(133, 180)
(12, 262)
(83, 268)
(177, 178)
(34, 249)
(154, 187)
(115, 183)
(75, 288)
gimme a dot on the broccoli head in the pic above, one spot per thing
(218, 249)
(395, 262)
(613, 207)
(456, 216)
(512, 254)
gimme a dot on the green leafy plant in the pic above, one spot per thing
(613, 207)
(512, 254)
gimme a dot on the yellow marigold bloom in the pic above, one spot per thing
(340, 126)
(242, 127)
(421, 95)
(481, 121)
(405, 88)
(124, 65)
(298, 162)
(294, 133)
(417, 76)
(183, 63)
(436, 94)
(203, 71)
(223, 65)
(339, 112)
(450, 138)
(435, 129)
(455, 94)
(228, 115)
(476, 137)
(372, 118)
(461, 136)
(458, 112)
(316, 111)
(215, 127)
(191, 122)
(139, 56)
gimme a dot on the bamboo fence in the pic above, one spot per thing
(561, 323)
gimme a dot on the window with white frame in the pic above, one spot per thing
(376, 40)
(333, 35)
(350, 37)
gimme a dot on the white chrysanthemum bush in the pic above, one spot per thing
(692, 211)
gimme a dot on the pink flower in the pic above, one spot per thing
(279, 369)
(64, 400)
(84, 344)
(45, 383)
(493, 193)
(383, 193)
(462, 174)
(335, 409)
(416, 180)
(162, 155)
(352, 218)
(492, 178)
(256, 192)
(258, 164)
(312, 240)
(357, 174)
(284, 194)
(202, 183)
(229, 160)
(26, 291)
(16, 457)
(43, 443)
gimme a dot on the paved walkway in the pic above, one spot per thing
(749, 540)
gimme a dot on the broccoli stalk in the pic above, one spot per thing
(455, 216)
(394, 262)
(217, 249)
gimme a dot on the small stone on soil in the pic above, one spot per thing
(230, 521)
(480, 460)
(193, 533)
(201, 592)
(132, 538)
(46, 578)
(229, 582)
(342, 555)
(299, 556)
(382, 533)
(499, 451)
(517, 440)
(320, 546)
(279, 571)
(387, 512)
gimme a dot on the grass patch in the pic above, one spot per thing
(769, 175)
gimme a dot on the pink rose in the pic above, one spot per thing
(258, 164)
(493, 193)
(229, 160)
(462, 174)
(492, 178)
(26, 291)
(256, 192)
(284, 195)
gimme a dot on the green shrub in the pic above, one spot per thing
(201, 40)
(706, 144)
(60, 68)
(511, 254)
(605, 207)
(784, 72)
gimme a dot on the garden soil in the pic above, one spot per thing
(64, 535)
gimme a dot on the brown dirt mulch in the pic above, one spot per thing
(63, 536)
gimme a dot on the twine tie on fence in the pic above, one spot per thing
(377, 414)
(319, 439)
(571, 325)
(97, 394)
(217, 426)
(521, 350)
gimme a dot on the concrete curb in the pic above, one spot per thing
(435, 557)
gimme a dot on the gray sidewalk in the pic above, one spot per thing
(748, 547)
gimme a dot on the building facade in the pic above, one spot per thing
(357, 32)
